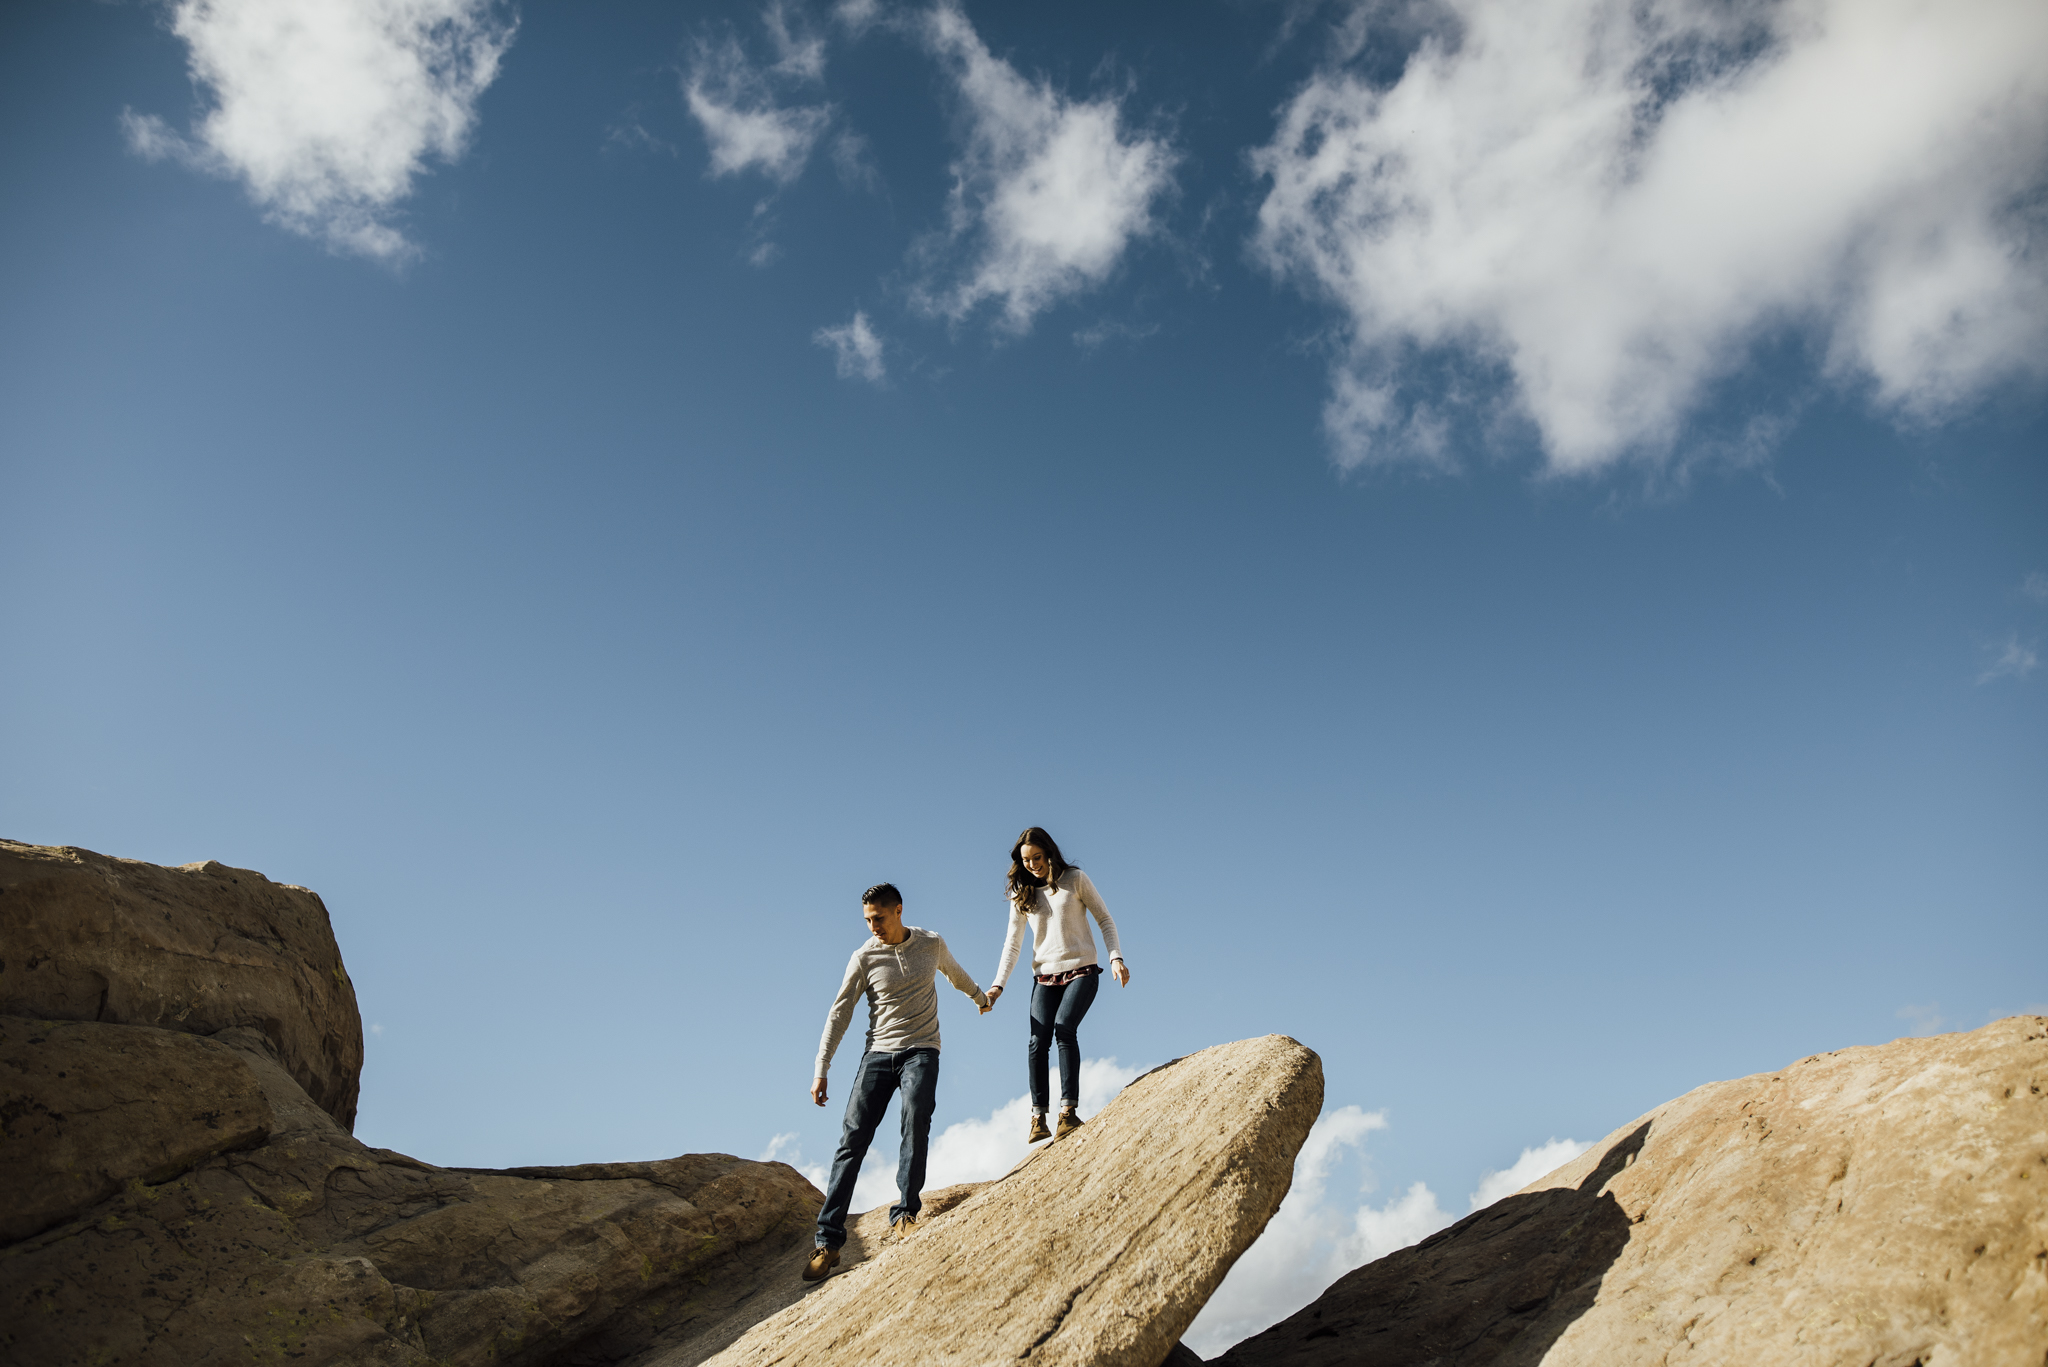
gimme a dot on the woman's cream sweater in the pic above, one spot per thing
(1060, 938)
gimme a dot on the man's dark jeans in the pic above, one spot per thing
(915, 1073)
(1055, 1015)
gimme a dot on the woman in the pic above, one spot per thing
(1056, 900)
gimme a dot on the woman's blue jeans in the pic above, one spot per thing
(1055, 1015)
(915, 1073)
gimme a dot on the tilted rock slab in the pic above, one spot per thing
(1883, 1205)
(1098, 1251)
(201, 948)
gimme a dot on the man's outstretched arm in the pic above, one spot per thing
(835, 1024)
(957, 975)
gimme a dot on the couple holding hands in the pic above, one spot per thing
(895, 968)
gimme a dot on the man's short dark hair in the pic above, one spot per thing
(882, 895)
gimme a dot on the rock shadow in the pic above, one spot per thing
(1496, 1289)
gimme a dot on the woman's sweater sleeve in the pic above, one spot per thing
(1011, 944)
(1084, 888)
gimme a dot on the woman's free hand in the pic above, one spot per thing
(1123, 975)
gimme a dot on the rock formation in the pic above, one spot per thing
(1098, 1250)
(1883, 1205)
(180, 1051)
(198, 949)
(179, 1057)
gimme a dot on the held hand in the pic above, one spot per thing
(818, 1091)
(1123, 975)
(994, 995)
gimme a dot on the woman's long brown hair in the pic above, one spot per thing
(1022, 883)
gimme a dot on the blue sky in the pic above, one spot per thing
(1514, 548)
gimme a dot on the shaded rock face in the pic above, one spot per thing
(86, 1109)
(1098, 1250)
(1883, 1205)
(170, 1198)
(313, 1247)
(199, 949)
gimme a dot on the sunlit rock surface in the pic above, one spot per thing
(1883, 1205)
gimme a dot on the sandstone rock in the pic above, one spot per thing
(1883, 1205)
(87, 1108)
(313, 1247)
(1098, 1250)
(202, 948)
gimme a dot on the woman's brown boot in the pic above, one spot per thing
(1070, 1120)
(1038, 1130)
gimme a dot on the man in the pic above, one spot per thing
(894, 969)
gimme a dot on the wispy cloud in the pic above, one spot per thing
(783, 1148)
(1922, 1018)
(326, 110)
(1583, 213)
(1534, 1163)
(2010, 660)
(799, 49)
(2035, 587)
(858, 15)
(747, 123)
(1048, 193)
(1313, 1239)
(1109, 330)
(856, 347)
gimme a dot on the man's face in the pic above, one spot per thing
(885, 922)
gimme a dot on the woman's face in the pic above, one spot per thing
(1037, 862)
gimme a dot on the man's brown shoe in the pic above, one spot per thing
(821, 1264)
(905, 1227)
(1038, 1130)
(1070, 1121)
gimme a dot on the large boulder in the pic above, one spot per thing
(1883, 1205)
(179, 1053)
(202, 948)
(311, 1246)
(86, 1109)
(1098, 1251)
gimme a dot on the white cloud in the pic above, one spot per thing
(2035, 586)
(1534, 1163)
(1301, 1251)
(1922, 1019)
(783, 1148)
(2010, 660)
(745, 124)
(857, 348)
(799, 51)
(1048, 193)
(1313, 1240)
(326, 110)
(1598, 207)
(858, 15)
(1108, 330)
(978, 1150)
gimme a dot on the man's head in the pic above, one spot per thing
(881, 906)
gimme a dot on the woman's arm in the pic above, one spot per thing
(1084, 888)
(1012, 942)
